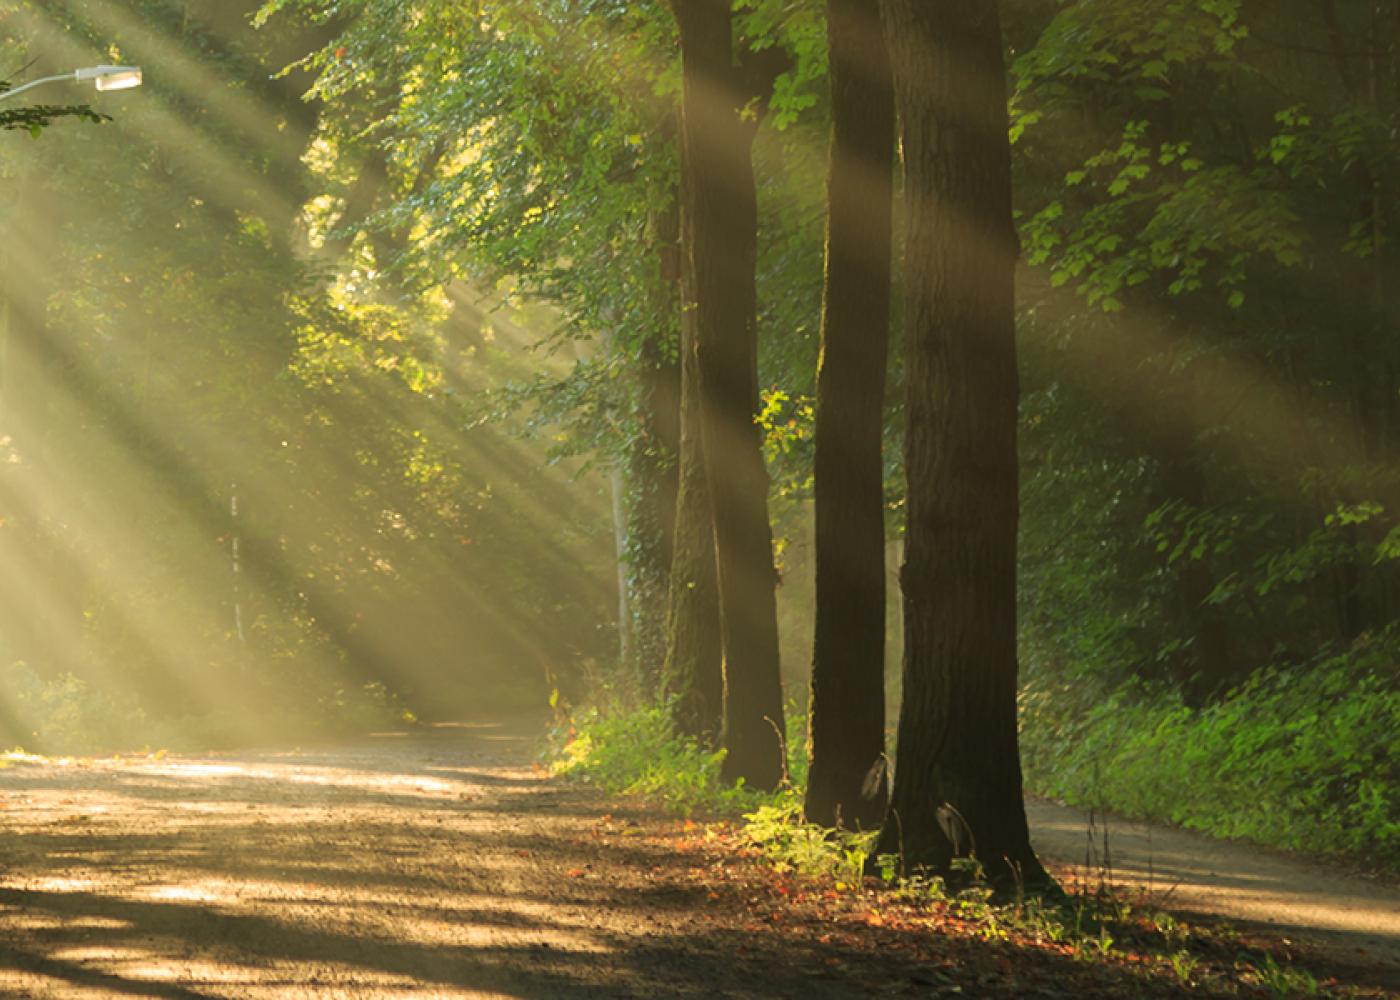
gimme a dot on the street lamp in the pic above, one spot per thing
(103, 77)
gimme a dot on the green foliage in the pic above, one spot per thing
(778, 830)
(36, 118)
(180, 320)
(1301, 758)
(1283, 982)
(1208, 346)
(638, 752)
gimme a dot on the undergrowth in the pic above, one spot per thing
(637, 752)
(1302, 759)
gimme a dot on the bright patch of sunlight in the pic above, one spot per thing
(34, 922)
(58, 883)
(367, 781)
(202, 892)
(101, 954)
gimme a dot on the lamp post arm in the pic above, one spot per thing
(35, 83)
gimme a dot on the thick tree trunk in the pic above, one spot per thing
(722, 205)
(692, 675)
(848, 660)
(957, 787)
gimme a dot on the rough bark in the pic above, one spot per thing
(957, 787)
(722, 228)
(692, 674)
(848, 670)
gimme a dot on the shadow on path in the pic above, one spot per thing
(1356, 918)
(440, 864)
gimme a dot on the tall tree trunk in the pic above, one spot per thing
(1206, 669)
(848, 658)
(957, 788)
(617, 490)
(693, 674)
(653, 460)
(723, 234)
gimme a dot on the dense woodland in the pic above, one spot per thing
(948, 375)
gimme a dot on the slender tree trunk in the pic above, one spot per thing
(692, 674)
(722, 205)
(617, 490)
(957, 787)
(1207, 668)
(653, 461)
(848, 659)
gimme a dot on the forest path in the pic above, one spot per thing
(438, 863)
(1356, 919)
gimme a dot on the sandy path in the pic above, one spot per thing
(1357, 919)
(438, 864)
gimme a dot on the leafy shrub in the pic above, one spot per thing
(1305, 758)
(638, 752)
(777, 828)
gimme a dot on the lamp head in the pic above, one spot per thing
(111, 77)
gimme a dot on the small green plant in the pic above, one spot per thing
(1094, 942)
(1175, 933)
(1284, 981)
(790, 844)
(1184, 965)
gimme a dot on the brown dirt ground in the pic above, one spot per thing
(442, 863)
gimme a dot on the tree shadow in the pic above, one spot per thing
(529, 888)
(768, 962)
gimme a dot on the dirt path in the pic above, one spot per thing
(1357, 919)
(439, 865)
